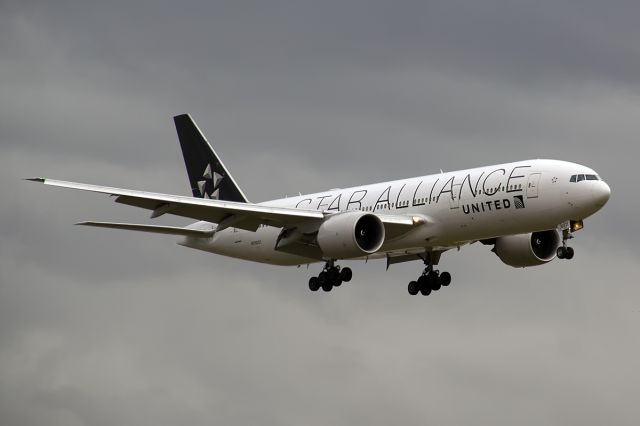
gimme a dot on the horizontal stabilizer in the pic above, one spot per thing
(167, 230)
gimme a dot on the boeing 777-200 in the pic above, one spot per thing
(526, 210)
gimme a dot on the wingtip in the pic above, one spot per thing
(36, 179)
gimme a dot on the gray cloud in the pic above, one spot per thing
(102, 327)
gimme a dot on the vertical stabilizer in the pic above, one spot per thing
(208, 176)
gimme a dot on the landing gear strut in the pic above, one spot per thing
(431, 279)
(563, 251)
(331, 276)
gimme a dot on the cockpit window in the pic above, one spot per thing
(579, 178)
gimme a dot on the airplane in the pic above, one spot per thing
(527, 210)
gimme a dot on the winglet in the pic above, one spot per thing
(36, 179)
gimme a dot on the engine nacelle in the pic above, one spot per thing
(350, 234)
(524, 250)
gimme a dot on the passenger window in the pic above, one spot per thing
(573, 178)
(580, 178)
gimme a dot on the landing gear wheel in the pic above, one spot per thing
(423, 285)
(314, 284)
(337, 283)
(323, 278)
(568, 253)
(565, 252)
(413, 288)
(346, 274)
(423, 282)
(434, 281)
(445, 279)
(333, 274)
(327, 286)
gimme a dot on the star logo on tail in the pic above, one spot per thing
(210, 183)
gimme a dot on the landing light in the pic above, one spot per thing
(417, 220)
(576, 225)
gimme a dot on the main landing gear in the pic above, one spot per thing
(331, 276)
(563, 251)
(430, 280)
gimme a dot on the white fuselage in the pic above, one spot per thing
(459, 207)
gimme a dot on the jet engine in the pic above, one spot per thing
(531, 249)
(350, 234)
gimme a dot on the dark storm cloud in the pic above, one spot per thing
(102, 327)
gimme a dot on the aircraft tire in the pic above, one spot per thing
(346, 274)
(413, 288)
(445, 279)
(314, 284)
(423, 282)
(333, 274)
(434, 281)
(569, 253)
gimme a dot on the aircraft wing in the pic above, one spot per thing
(225, 213)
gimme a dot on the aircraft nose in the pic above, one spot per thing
(601, 193)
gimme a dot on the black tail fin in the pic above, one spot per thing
(209, 178)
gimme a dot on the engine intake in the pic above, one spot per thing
(531, 249)
(350, 234)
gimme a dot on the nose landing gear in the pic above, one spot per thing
(565, 252)
(331, 276)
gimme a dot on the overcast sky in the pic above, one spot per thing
(102, 327)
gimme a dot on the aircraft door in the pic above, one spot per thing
(532, 185)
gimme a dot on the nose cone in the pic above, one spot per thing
(600, 193)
